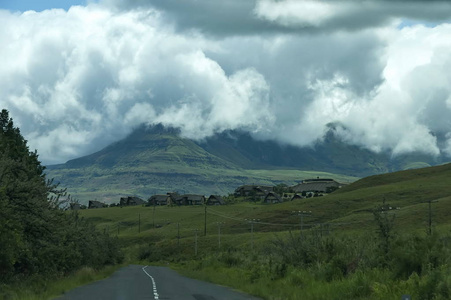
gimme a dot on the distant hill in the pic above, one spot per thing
(157, 160)
(329, 155)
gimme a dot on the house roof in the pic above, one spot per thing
(312, 185)
(296, 196)
(246, 188)
(136, 200)
(193, 197)
(318, 180)
(249, 188)
(94, 203)
(159, 197)
(272, 195)
(217, 198)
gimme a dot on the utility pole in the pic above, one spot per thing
(301, 215)
(153, 214)
(252, 221)
(205, 221)
(178, 234)
(219, 234)
(195, 241)
(430, 215)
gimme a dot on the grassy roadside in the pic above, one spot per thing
(350, 262)
(347, 267)
(43, 289)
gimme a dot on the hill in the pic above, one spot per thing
(157, 160)
(331, 154)
(332, 252)
(350, 208)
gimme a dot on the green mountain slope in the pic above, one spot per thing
(161, 148)
(156, 160)
(349, 208)
(330, 155)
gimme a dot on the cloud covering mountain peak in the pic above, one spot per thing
(77, 80)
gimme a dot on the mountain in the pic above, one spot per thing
(329, 155)
(156, 159)
(157, 146)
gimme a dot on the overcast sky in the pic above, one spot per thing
(78, 76)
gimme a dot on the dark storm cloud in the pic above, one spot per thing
(210, 17)
(244, 17)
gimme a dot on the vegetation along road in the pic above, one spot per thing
(148, 282)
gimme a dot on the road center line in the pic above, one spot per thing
(155, 292)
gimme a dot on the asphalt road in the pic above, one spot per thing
(155, 283)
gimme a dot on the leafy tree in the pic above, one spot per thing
(36, 235)
(385, 225)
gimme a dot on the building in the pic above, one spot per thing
(215, 200)
(317, 185)
(258, 191)
(96, 204)
(159, 200)
(272, 198)
(192, 199)
(131, 201)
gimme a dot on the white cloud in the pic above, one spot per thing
(349, 14)
(75, 81)
(299, 12)
(87, 76)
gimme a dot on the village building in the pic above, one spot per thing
(272, 198)
(296, 196)
(319, 185)
(287, 196)
(215, 200)
(192, 199)
(74, 206)
(131, 201)
(96, 204)
(159, 200)
(258, 191)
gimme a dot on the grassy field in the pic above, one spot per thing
(260, 248)
(41, 289)
(350, 208)
(110, 185)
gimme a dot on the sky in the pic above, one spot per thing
(79, 75)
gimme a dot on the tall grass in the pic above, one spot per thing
(334, 268)
(38, 288)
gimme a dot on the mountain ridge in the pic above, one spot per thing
(157, 159)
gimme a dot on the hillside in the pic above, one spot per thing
(349, 208)
(329, 155)
(157, 160)
(333, 251)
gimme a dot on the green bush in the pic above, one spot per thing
(38, 238)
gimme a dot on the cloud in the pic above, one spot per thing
(217, 18)
(349, 14)
(247, 17)
(77, 80)
(83, 78)
(408, 110)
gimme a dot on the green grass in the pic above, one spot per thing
(149, 233)
(44, 288)
(347, 209)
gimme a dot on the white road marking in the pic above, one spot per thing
(155, 292)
